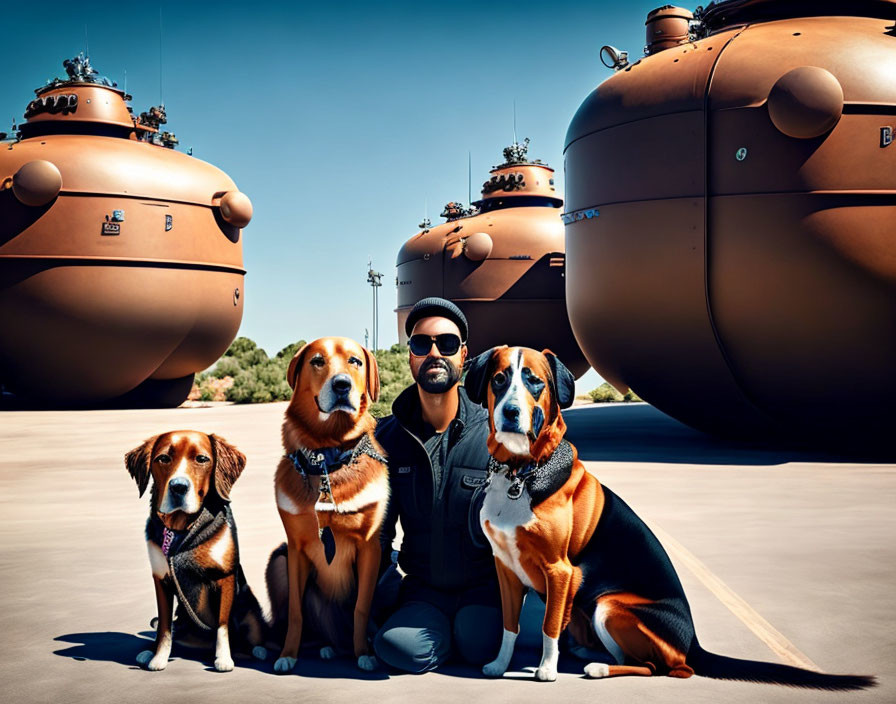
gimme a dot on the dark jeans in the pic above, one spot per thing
(431, 624)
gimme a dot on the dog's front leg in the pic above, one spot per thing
(512, 591)
(298, 569)
(158, 660)
(558, 605)
(223, 660)
(368, 565)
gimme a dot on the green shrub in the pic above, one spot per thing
(607, 394)
(226, 366)
(258, 378)
(395, 377)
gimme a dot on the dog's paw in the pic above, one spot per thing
(367, 663)
(259, 652)
(151, 661)
(327, 652)
(596, 670)
(284, 665)
(224, 663)
(496, 668)
(546, 673)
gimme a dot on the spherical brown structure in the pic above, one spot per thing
(502, 262)
(37, 183)
(739, 267)
(120, 272)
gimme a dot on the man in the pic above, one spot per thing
(436, 443)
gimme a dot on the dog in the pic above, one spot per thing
(332, 488)
(554, 527)
(192, 542)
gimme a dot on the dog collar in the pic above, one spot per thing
(169, 540)
(541, 480)
(320, 463)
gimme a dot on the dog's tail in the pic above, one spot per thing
(722, 667)
(276, 579)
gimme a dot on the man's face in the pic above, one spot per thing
(434, 371)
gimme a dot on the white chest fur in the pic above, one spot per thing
(504, 515)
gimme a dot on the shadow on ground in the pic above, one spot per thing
(104, 646)
(122, 648)
(638, 432)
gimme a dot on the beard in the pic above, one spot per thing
(437, 375)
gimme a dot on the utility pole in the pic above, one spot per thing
(374, 278)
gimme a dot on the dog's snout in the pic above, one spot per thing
(511, 413)
(342, 384)
(178, 486)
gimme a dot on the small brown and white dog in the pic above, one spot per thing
(332, 488)
(554, 527)
(192, 542)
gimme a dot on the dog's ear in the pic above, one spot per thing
(295, 363)
(476, 380)
(564, 381)
(137, 461)
(229, 464)
(373, 375)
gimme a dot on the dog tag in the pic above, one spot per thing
(326, 537)
(515, 490)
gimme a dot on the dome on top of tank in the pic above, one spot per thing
(89, 103)
(519, 178)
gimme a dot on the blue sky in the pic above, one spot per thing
(339, 121)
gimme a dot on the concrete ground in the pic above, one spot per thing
(800, 545)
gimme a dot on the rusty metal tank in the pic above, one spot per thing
(501, 261)
(120, 258)
(738, 269)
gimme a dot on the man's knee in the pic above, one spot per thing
(477, 633)
(415, 639)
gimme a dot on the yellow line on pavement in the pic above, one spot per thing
(767, 633)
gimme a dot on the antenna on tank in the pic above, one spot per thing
(161, 100)
(425, 225)
(469, 177)
(514, 120)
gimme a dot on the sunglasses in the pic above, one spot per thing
(447, 343)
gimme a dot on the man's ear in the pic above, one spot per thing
(137, 461)
(476, 380)
(564, 381)
(294, 366)
(229, 464)
(373, 375)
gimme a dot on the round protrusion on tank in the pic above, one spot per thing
(37, 183)
(805, 102)
(236, 208)
(478, 246)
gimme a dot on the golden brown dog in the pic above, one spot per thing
(555, 528)
(332, 488)
(192, 542)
